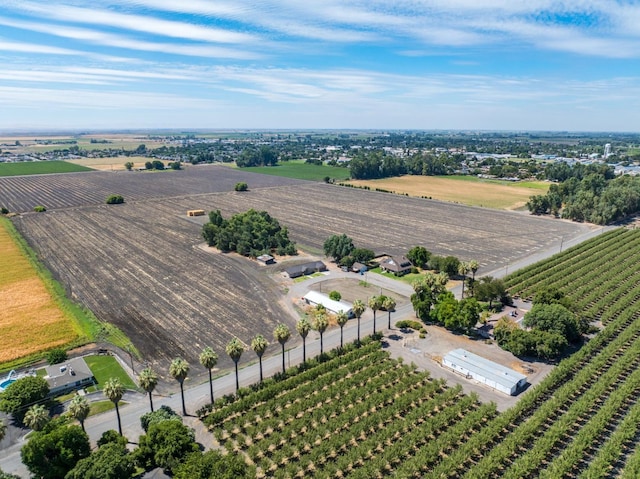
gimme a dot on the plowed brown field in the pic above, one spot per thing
(138, 265)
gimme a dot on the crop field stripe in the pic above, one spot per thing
(40, 168)
(605, 365)
(355, 425)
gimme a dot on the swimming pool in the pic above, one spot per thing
(4, 384)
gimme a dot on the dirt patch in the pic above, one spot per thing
(427, 354)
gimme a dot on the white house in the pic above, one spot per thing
(487, 372)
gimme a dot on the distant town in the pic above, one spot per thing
(510, 156)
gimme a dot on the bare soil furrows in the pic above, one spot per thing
(138, 265)
(392, 224)
(140, 269)
(21, 193)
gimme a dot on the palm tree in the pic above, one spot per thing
(320, 324)
(114, 391)
(358, 308)
(282, 335)
(148, 380)
(259, 345)
(304, 326)
(473, 267)
(341, 319)
(37, 417)
(234, 350)
(179, 369)
(375, 303)
(79, 409)
(209, 359)
(463, 269)
(389, 304)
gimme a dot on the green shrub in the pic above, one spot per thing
(335, 296)
(241, 187)
(4, 211)
(115, 200)
(39, 209)
(56, 356)
(408, 323)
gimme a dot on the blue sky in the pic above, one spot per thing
(402, 64)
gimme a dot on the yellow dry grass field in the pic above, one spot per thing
(110, 163)
(473, 192)
(30, 320)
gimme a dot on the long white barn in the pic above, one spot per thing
(494, 375)
(315, 297)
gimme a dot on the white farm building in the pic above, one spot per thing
(315, 298)
(487, 372)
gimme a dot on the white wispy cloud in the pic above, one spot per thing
(139, 23)
(97, 37)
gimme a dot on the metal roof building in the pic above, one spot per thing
(494, 375)
(314, 297)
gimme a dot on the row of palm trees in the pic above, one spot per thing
(148, 379)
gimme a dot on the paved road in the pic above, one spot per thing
(197, 395)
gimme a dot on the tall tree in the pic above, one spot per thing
(338, 246)
(389, 305)
(37, 417)
(179, 369)
(209, 359)
(54, 451)
(375, 303)
(463, 269)
(303, 326)
(320, 324)
(114, 390)
(79, 409)
(473, 267)
(282, 335)
(341, 319)
(259, 345)
(148, 380)
(358, 308)
(235, 349)
(3, 429)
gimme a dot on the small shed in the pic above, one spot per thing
(69, 376)
(494, 375)
(305, 268)
(335, 307)
(266, 259)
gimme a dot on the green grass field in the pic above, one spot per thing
(302, 171)
(39, 168)
(106, 367)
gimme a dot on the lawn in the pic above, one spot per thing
(39, 168)
(28, 305)
(407, 278)
(99, 407)
(467, 190)
(301, 170)
(107, 367)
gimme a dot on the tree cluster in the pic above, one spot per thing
(62, 451)
(588, 193)
(18, 396)
(154, 165)
(263, 156)
(550, 328)
(250, 234)
(343, 251)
